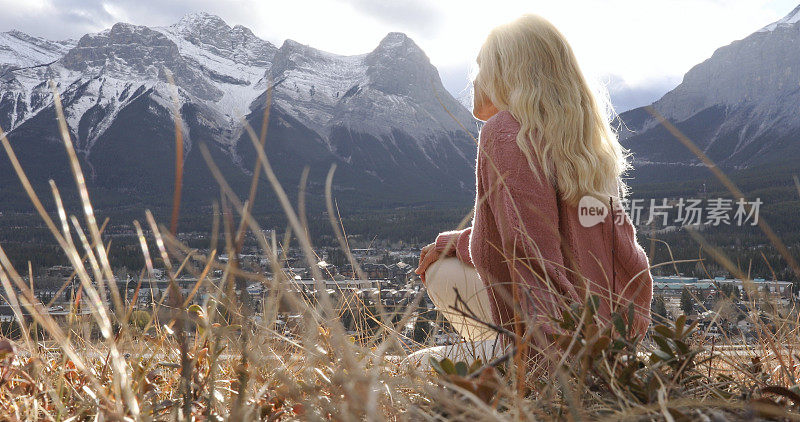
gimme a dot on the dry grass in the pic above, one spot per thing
(212, 360)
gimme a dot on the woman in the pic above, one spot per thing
(548, 171)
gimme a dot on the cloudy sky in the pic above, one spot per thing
(638, 49)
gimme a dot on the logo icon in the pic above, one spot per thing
(591, 211)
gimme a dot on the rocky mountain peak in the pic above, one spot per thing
(243, 31)
(133, 52)
(394, 38)
(123, 47)
(399, 66)
(294, 55)
(211, 33)
(290, 46)
(398, 44)
(200, 22)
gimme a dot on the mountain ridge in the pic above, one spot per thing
(377, 115)
(736, 106)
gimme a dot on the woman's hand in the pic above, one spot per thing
(427, 256)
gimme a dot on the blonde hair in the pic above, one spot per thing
(528, 68)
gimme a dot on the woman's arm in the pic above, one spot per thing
(455, 243)
(452, 243)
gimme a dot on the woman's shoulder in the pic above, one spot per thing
(500, 153)
(499, 134)
(503, 122)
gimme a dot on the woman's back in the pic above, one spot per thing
(524, 235)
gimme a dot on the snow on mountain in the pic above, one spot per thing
(211, 34)
(232, 57)
(226, 68)
(792, 18)
(212, 63)
(24, 92)
(392, 88)
(384, 115)
(19, 50)
(24, 68)
(409, 94)
(311, 82)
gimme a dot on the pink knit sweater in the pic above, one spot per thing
(522, 235)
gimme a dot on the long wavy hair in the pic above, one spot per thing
(528, 68)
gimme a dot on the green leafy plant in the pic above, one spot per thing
(484, 385)
(673, 347)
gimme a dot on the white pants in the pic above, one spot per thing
(442, 279)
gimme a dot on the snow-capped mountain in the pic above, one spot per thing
(24, 64)
(380, 116)
(19, 50)
(213, 65)
(739, 106)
